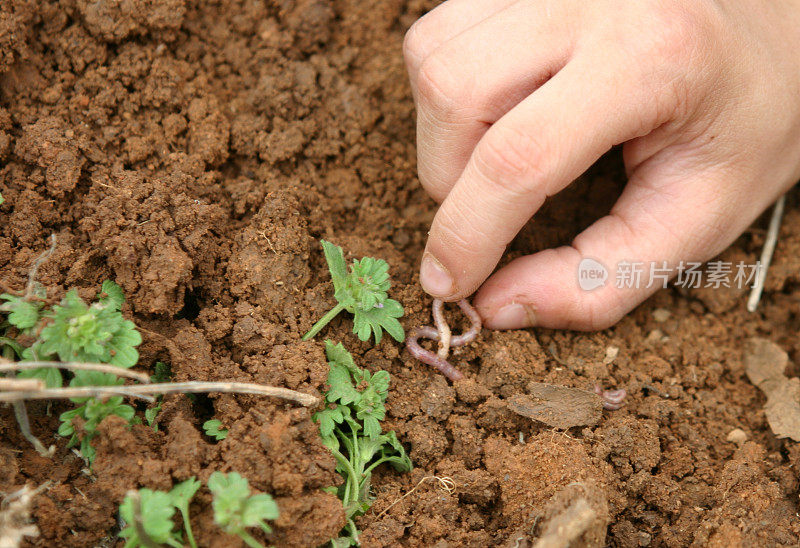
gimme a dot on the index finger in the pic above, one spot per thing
(534, 151)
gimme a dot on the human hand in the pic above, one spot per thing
(515, 99)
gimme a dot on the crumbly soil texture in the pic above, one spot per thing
(194, 151)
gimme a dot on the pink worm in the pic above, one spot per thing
(612, 399)
(446, 340)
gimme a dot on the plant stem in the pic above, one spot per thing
(353, 478)
(248, 539)
(187, 526)
(325, 320)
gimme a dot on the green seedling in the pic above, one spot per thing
(162, 374)
(75, 331)
(362, 291)
(235, 509)
(154, 517)
(350, 429)
(181, 495)
(213, 428)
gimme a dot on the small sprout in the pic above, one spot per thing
(235, 509)
(148, 518)
(446, 341)
(151, 414)
(213, 428)
(363, 292)
(162, 373)
(350, 429)
(181, 495)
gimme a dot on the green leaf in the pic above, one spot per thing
(22, 314)
(151, 414)
(341, 386)
(336, 264)
(111, 295)
(51, 376)
(258, 508)
(214, 429)
(156, 511)
(338, 354)
(162, 373)
(183, 493)
(234, 508)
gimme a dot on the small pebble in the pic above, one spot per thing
(661, 314)
(737, 436)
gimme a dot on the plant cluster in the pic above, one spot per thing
(362, 291)
(351, 430)
(74, 331)
(148, 514)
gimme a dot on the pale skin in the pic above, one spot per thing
(516, 99)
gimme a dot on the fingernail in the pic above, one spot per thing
(512, 316)
(434, 277)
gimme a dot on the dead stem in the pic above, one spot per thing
(6, 365)
(141, 391)
(21, 414)
(766, 254)
(29, 289)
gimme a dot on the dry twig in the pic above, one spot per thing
(7, 365)
(141, 391)
(766, 254)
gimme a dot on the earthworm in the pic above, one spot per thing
(612, 399)
(443, 334)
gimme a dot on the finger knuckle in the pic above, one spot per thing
(512, 159)
(438, 89)
(678, 34)
(414, 44)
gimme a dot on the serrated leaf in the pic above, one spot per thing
(182, 493)
(111, 295)
(22, 314)
(156, 512)
(372, 427)
(338, 354)
(336, 264)
(341, 386)
(214, 429)
(258, 508)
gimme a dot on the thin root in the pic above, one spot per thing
(446, 483)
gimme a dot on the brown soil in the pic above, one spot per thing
(194, 151)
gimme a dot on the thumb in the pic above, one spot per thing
(639, 245)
